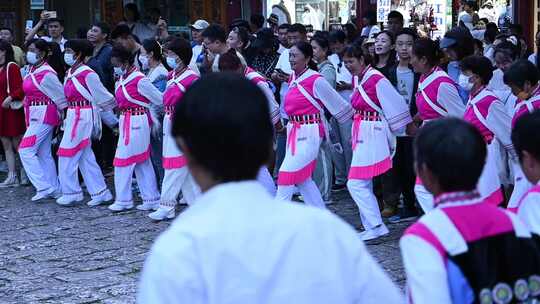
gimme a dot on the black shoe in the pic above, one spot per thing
(338, 187)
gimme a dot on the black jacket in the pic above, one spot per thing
(392, 76)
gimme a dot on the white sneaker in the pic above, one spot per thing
(100, 199)
(69, 200)
(45, 195)
(374, 233)
(162, 213)
(120, 206)
(147, 206)
(10, 181)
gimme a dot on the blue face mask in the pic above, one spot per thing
(119, 71)
(171, 62)
(69, 59)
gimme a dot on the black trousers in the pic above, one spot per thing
(401, 178)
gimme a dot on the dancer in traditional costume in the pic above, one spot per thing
(380, 114)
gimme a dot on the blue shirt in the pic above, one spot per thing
(454, 71)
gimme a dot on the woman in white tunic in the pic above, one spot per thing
(86, 96)
(308, 95)
(44, 99)
(381, 113)
(136, 97)
(177, 177)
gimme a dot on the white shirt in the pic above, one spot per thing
(237, 244)
(158, 72)
(503, 92)
(529, 210)
(342, 75)
(284, 64)
(197, 49)
(532, 58)
(61, 44)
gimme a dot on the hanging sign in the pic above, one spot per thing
(383, 8)
(37, 4)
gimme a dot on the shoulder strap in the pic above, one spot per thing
(178, 80)
(7, 77)
(476, 110)
(434, 106)
(78, 86)
(128, 97)
(365, 96)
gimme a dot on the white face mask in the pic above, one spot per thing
(171, 62)
(465, 83)
(119, 71)
(144, 62)
(31, 58)
(69, 59)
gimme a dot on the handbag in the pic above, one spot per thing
(15, 104)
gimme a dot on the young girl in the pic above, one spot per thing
(437, 97)
(308, 95)
(86, 97)
(232, 63)
(177, 177)
(136, 98)
(44, 99)
(380, 114)
(488, 114)
(11, 119)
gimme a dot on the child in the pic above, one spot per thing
(464, 250)
(526, 139)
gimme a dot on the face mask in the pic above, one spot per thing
(171, 62)
(68, 59)
(144, 62)
(31, 58)
(464, 82)
(119, 71)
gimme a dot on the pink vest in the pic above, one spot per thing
(173, 94)
(370, 87)
(296, 103)
(33, 94)
(483, 107)
(528, 106)
(133, 91)
(432, 91)
(71, 92)
(534, 189)
(254, 76)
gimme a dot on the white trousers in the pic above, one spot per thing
(38, 161)
(361, 191)
(308, 189)
(266, 180)
(146, 180)
(85, 161)
(424, 197)
(174, 181)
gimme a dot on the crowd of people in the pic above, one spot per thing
(406, 124)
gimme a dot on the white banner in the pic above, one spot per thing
(383, 8)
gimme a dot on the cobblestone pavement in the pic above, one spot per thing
(54, 254)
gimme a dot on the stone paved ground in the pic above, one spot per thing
(54, 254)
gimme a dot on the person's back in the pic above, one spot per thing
(465, 250)
(236, 244)
(526, 140)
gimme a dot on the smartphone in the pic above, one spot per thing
(52, 14)
(29, 24)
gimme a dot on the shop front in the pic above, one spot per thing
(319, 14)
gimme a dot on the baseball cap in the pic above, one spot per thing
(452, 37)
(273, 19)
(199, 24)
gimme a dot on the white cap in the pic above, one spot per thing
(200, 24)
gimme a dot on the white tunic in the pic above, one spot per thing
(238, 245)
